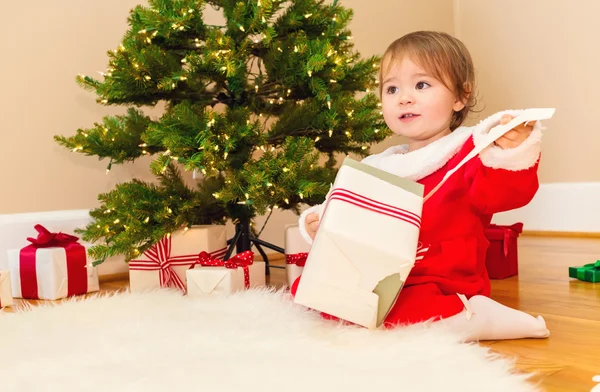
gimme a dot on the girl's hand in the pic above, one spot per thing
(312, 224)
(515, 136)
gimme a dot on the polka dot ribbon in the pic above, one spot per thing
(243, 260)
(298, 259)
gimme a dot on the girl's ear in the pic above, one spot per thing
(459, 104)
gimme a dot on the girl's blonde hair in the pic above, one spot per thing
(446, 58)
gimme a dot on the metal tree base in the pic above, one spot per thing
(243, 240)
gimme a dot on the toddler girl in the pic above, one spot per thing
(427, 89)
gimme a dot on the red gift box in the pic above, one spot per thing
(502, 259)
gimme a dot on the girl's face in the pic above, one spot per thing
(416, 105)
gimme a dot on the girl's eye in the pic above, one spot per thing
(392, 90)
(422, 85)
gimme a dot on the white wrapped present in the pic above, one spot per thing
(6, 298)
(54, 266)
(352, 272)
(212, 276)
(367, 240)
(166, 263)
(296, 251)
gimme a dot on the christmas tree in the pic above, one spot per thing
(252, 106)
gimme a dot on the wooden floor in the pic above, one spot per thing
(567, 360)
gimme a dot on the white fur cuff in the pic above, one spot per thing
(522, 157)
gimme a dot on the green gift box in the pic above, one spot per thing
(588, 273)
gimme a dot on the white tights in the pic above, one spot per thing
(486, 319)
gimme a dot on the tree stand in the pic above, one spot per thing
(243, 240)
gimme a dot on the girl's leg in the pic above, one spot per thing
(485, 319)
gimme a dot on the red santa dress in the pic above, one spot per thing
(454, 218)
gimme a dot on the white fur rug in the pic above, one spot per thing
(252, 341)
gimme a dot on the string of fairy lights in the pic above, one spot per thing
(223, 56)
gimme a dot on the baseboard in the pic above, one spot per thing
(560, 208)
(559, 234)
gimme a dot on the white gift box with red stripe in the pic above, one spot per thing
(165, 264)
(365, 247)
(296, 252)
(6, 298)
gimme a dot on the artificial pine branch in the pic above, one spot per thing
(252, 105)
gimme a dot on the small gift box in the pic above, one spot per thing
(211, 275)
(296, 251)
(502, 258)
(166, 263)
(54, 266)
(6, 298)
(588, 272)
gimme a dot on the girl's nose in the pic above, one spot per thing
(406, 100)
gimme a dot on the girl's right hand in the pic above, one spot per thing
(311, 223)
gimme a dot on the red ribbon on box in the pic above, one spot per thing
(243, 260)
(298, 259)
(76, 262)
(160, 259)
(504, 233)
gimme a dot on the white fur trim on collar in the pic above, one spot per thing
(420, 163)
(522, 157)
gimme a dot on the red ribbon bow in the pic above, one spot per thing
(298, 259)
(244, 260)
(46, 239)
(76, 262)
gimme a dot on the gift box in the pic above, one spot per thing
(53, 266)
(165, 264)
(502, 259)
(352, 272)
(296, 251)
(213, 276)
(6, 298)
(587, 273)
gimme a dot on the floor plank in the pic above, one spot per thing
(566, 361)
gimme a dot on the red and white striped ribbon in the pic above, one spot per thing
(380, 208)
(421, 251)
(160, 259)
(375, 206)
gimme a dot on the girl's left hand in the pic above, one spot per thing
(515, 136)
